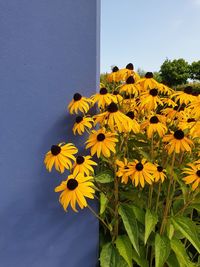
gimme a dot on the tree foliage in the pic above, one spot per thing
(175, 72)
(195, 70)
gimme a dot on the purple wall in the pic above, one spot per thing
(48, 50)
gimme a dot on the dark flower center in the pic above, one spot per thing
(188, 90)
(55, 150)
(112, 107)
(80, 160)
(159, 168)
(103, 91)
(72, 184)
(153, 92)
(101, 137)
(129, 66)
(149, 75)
(79, 119)
(115, 69)
(195, 93)
(179, 134)
(154, 119)
(77, 97)
(115, 93)
(139, 166)
(191, 120)
(130, 80)
(130, 114)
(198, 173)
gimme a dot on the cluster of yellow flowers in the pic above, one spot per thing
(130, 107)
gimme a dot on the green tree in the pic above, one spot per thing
(175, 72)
(195, 70)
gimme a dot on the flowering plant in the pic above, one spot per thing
(142, 165)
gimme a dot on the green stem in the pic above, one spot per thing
(98, 217)
(168, 200)
(158, 196)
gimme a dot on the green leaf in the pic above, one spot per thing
(103, 203)
(172, 261)
(130, 224)
(162, 250)
(170, 230)
(139, 214)
(141, 261)
(125, 249)
(151, 220)
(181, 254)
(109, 257)
(187, 229)
(104, 177)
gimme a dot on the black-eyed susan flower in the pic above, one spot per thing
(114, 75)
(172, 113)
(165, 90)
(60, 156)
(114, 118)
(133, 125)
(193, 176)
(159, 174)
(126, 72)
(75, 191)
(79, 103)
(141, 172)
(83, 164)
(117, 97)
(150, 99)
(122, 170)
(177, 142)
(184, 97)
(82, 124)
(130, 88)
(103, 98)
(102, 142)
(195, 107)
(154, 124)
(148, 82)
(169, 102)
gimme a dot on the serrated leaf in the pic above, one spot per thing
(181, 254)
(139, 214)
(130, 224)
(124, 246)
(141, 261)
(162, 250)
(187, 229)
(151, 220)
(104, 177)
(103, 203)
(109, 257)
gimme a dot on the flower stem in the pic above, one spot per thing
(98, 217)
(168, 200)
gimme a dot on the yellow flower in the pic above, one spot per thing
(61, 156)
(150, 99)
(75, 190)
(126, 72)
(169, 102)
(165, 89)
(133, 125)
(186, 121)
(130, 88)
(79, 103)
(195, 107)
(184, 97)
(148, 82)
(159, 174)
(102, 142)
(114, 75)
(177, 142)
(103, 98)
(154, 125)
(122, 170)
(141, 172)
(82, 124)
(172, 113)
(193, 177)
(114, 118)
(83, 165)
(117, 97)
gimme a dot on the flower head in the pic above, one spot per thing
(81, 124)
(75, 190)
(83, 164)
(79, 103)
(193, 176)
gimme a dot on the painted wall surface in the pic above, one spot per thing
(48, 51)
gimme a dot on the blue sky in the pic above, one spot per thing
(146, 32)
